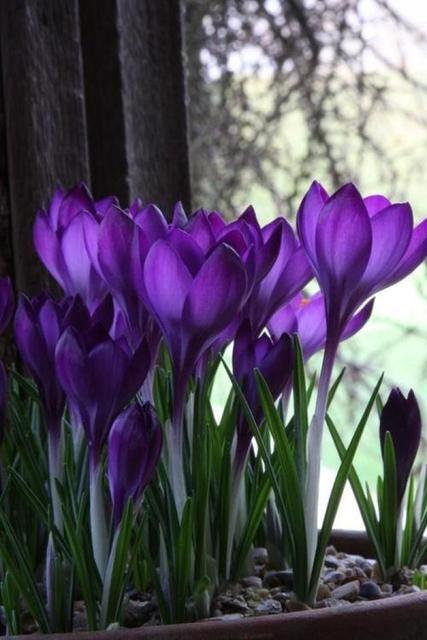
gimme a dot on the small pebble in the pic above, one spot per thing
(330, 550)
(323, 592)
(348, 591)
(330, 603)
(332, 562)
(370, 590)
(336, 577)
(294, 605)
(268, 607)
(233, 605)
(386, 588)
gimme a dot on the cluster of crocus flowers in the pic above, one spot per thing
(135, 281)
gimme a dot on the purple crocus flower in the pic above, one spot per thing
(38, 326)
(306, 316)
(357, 247)
(118, 247)
(401, 417)
(193, 299)
(275, 363)
(7, 303)
(99, 376)
(134, 447)
(284, 278)
(59, 241)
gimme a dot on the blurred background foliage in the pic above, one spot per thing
(284, 91)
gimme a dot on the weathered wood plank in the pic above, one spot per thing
(154, 102)
(45, 117)
(104, 104)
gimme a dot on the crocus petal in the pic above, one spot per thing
(48, 249)
(167, 282)
(73, 373)
(307, 219)
(152, 222)
(414, 255)
(358, 321)
(82, 278)
(343, 248)
(187, 248)
(179, 218)
(200, 229)
(375, 203)
(76, 200)
(391, 234)
(312, 325)
(283, 321)
(216, 293)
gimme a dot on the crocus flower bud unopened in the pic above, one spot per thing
(134, 447)
(401, 417)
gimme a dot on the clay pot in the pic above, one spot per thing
(395, 618)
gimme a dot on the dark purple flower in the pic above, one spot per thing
(357, 247)
(401, 417)
(38, 326)
(275, 363)
(7, 303)
(134, 447)
(306, 317)
(193, 298)
(60, 242)
(282, 278)
(118, 247)
(99, 377)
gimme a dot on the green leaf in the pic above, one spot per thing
(336, 494)
(300, 413)
(292, 504)
(17, 563)
(184, 551)
(389, 505)
(408, 531)
(116, 572)
(365, 503)
(254, 518)
(334, 387)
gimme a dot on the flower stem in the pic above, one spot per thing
(56, 473)
(315, 437)
(98, 523)
(175, 463)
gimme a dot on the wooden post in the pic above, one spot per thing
(45, 117)
(135, 99)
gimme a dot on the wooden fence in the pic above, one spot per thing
(90, 90)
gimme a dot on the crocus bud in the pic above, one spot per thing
(134, 447)
(401, 417)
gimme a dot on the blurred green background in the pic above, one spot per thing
(283, 92)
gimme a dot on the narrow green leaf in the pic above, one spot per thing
(336, 493)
